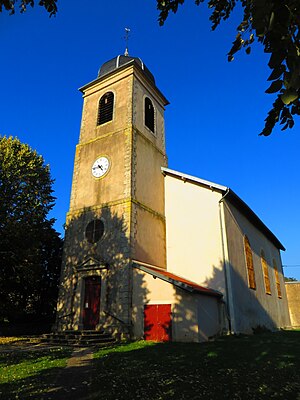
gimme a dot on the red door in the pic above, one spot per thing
(91, 306)
(157, 322)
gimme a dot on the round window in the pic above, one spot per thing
(94, 231)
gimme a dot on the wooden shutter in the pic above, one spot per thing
(265, 272)
(249, 263)
(277, 279)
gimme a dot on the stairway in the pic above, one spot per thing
(84, 338)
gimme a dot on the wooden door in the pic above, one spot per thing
(157, 322)
(91, 305)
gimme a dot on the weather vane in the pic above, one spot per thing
(126, 37)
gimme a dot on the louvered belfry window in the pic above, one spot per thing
(149, 114)
(265, 272)
(106, 108)
(249, 263)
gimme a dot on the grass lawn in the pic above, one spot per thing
(265, 366)
(26, 374)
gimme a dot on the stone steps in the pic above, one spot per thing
(78, 338)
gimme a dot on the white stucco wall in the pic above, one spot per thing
(195, 317)
(194, 246)
(253, 308)
(194, 251)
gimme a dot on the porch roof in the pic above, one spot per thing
(176, 280)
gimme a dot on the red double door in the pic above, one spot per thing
(91, 306)
(157, 322)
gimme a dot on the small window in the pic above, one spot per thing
(265, 272)
(149, 114)
(249, 263)
(106, 107)
(94, 231)
(277, 279)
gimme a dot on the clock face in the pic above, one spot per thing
(100, 167)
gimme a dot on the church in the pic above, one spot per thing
(150, 252)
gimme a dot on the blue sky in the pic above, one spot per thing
(216, 108)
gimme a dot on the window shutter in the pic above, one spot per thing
(249, 263)
(265, 272)
(277, 279)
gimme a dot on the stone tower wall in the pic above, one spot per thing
(129, 200)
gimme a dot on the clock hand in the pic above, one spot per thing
(100, 166)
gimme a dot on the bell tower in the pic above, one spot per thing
(116, 210)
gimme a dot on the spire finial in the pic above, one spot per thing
(126, 37)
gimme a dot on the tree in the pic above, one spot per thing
(30, 249)
(9, 5)
(275, 24)
(287, 279)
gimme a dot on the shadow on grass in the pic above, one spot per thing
(258, 367)
(29, 373)
(18, 356)
(264, 366)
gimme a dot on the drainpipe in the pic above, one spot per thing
(227, 267)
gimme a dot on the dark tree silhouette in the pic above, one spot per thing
(10, 5)
(275, 24)
(30, 249)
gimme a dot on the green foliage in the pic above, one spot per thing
(30, 249)
(274, 24)
(9, 5)
(290, 279)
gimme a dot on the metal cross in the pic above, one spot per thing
(126, 37)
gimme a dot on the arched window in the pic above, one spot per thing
(265, 272)
(277, 279)
(249, 263)
(94, 231)
(106, 108)
(149, 114)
